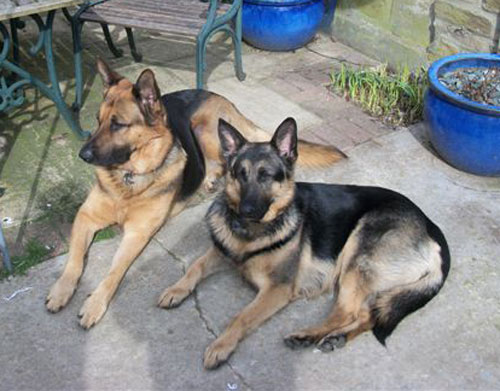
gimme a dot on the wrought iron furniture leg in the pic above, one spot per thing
(15, 40)
(5, 251)
(109, 40)
(53, 91)
(76, 30)
(214, 24)
(130, 37)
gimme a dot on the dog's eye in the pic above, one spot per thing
(263, 175)
(243, 174)
(115, 126)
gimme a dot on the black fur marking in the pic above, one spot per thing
(401, 306)
(242, 258)
(332, 211)
(180, 107)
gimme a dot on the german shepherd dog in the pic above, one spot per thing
(151, 153)
(375, 250)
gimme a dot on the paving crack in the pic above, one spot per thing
(202, 317)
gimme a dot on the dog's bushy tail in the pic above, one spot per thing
(317, 155)
(392, 306)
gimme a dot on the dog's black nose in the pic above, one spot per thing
(86, 153)
(247, 210)
(250, 210)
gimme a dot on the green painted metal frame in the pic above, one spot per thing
(11, 91)
(229, 22)
(5, 251)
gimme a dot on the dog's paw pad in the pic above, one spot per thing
(332, 342)
(298, 341)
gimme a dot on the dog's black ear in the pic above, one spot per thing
(285, 140)
(108, 76)
(230, 139)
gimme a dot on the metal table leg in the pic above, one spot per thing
(9, 94)
(5, 251)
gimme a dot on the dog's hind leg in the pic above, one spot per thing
(92, 216)
(200, 269)
(268, 301)
(349, 317)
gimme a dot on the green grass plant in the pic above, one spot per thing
(396, 97)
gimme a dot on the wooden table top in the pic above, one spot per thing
(16, 8)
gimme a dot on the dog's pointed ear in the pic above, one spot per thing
(147, 92)
(230, 139)
(108, 76)
(285, 140)
(147, 88)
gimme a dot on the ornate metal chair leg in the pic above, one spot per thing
(76, 27)
(131, 42)
(107, 35)
(238, 63)
(5, 252)
(201, 42)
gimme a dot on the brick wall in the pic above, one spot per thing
(417, 31)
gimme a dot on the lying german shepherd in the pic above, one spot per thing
(152, 153)
(372, 247)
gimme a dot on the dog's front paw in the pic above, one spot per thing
(172, 297)
(217, 353)
(59, 294)
(92, 311)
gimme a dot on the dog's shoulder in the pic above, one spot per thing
(180, 107)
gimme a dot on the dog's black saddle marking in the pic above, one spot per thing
(180, 107)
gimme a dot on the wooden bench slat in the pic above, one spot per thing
(167, 19)
(147, 22)
(147, 9)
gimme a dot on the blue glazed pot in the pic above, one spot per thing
(281, 25)
(464, 133)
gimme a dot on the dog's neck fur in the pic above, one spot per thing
(240, 239)
(131, 179)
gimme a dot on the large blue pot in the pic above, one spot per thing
(281, 25)
(464, 133)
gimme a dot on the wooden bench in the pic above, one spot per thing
(184, 17)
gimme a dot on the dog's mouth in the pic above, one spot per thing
(112, 159)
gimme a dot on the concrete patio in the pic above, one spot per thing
(453, 343)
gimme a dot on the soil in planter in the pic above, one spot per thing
(480, 85)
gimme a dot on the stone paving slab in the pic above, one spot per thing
(450, 344)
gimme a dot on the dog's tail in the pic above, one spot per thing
(392, 306)
(317, 155)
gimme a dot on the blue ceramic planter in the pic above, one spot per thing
(464, 133)
(281, 25)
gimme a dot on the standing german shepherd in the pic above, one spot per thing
(152, 153)
(372, 247)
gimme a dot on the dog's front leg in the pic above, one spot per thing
(267, 302)
(138, 230)
(92, 216)
(200, 269)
